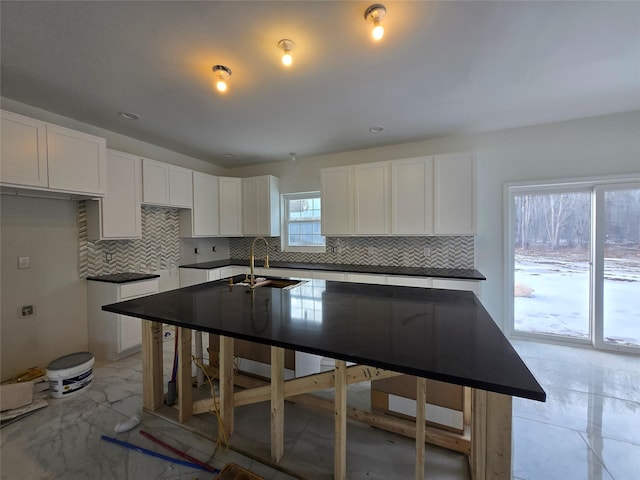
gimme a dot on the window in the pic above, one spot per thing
(301, 229)
(574, 256)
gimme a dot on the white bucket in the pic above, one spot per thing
(70, 374)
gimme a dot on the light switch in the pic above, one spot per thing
(24, 262)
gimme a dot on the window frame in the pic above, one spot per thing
(284, 240)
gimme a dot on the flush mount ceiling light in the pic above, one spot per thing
(376, 129)
(129, 115)
(222, 74)
(286, 46)
(375, 13)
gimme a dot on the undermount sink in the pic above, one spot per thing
(279, 283)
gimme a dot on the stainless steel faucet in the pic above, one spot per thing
(253, 258)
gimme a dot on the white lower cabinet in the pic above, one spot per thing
(454, 284)
(194, 276)
(113, 336)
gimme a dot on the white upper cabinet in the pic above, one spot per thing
(336, 186)
(167, 185)
(180, 187)
(77, 161)
(455, 194)
(261, 206)
(42, 156)
(155, 182)
(203, 220)
(412, 196)
(371, 195)
(230, 195)
(118, 214)
(24, 150)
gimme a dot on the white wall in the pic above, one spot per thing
(605, 145)
(46, 231)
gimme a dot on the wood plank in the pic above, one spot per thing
(421, 399)
(226, 383)
(277, 403)
(185, 387)
(311, 383)
(477, 458)
(340, 412)
(498, 450)
(152, 388)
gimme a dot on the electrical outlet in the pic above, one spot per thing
(213, 249)
(427, 251)
(370, 251)
(196, 250)
(108, 257)
(24, 262)
(26, 311)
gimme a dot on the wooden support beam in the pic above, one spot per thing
(340, 411)
(277, 403)
(421, 400)
(185, 388)
(152, 388)
(226, 383)
(491, 436)
(298, 386)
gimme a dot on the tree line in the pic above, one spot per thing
(563, 220)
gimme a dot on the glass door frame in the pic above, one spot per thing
(597, 281)
(596, 186)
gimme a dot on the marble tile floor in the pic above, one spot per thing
(588, 429)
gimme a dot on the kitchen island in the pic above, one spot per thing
(437, 334)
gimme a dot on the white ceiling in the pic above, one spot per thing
(442, 68)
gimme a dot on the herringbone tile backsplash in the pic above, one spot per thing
(159, 247)
(444, 252)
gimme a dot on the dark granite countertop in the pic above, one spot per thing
(444, 335)
(456, 273)
(123, 277)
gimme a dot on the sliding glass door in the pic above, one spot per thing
(574, 272)
(617, 266)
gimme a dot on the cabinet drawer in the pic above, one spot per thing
(409, 281)
(138, 289)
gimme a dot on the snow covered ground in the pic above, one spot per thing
(559, 303)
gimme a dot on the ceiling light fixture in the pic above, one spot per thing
(376, 13)
(129, 115)
(286, 46)
(222, 74)
(376, 129)
(293, 156)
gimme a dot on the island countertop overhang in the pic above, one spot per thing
(443, 335)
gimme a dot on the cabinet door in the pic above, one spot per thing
(77, 161)
(337, 200)
(455, 194)
(180, 187)
(23, 150)
(205, 214)
(372, 199)
(230, 190)
(155, 182)
(121, 215)
(130, 332)
(249, 206)
(412, 196)
(261, 206)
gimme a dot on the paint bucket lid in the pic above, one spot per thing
(70, 361)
